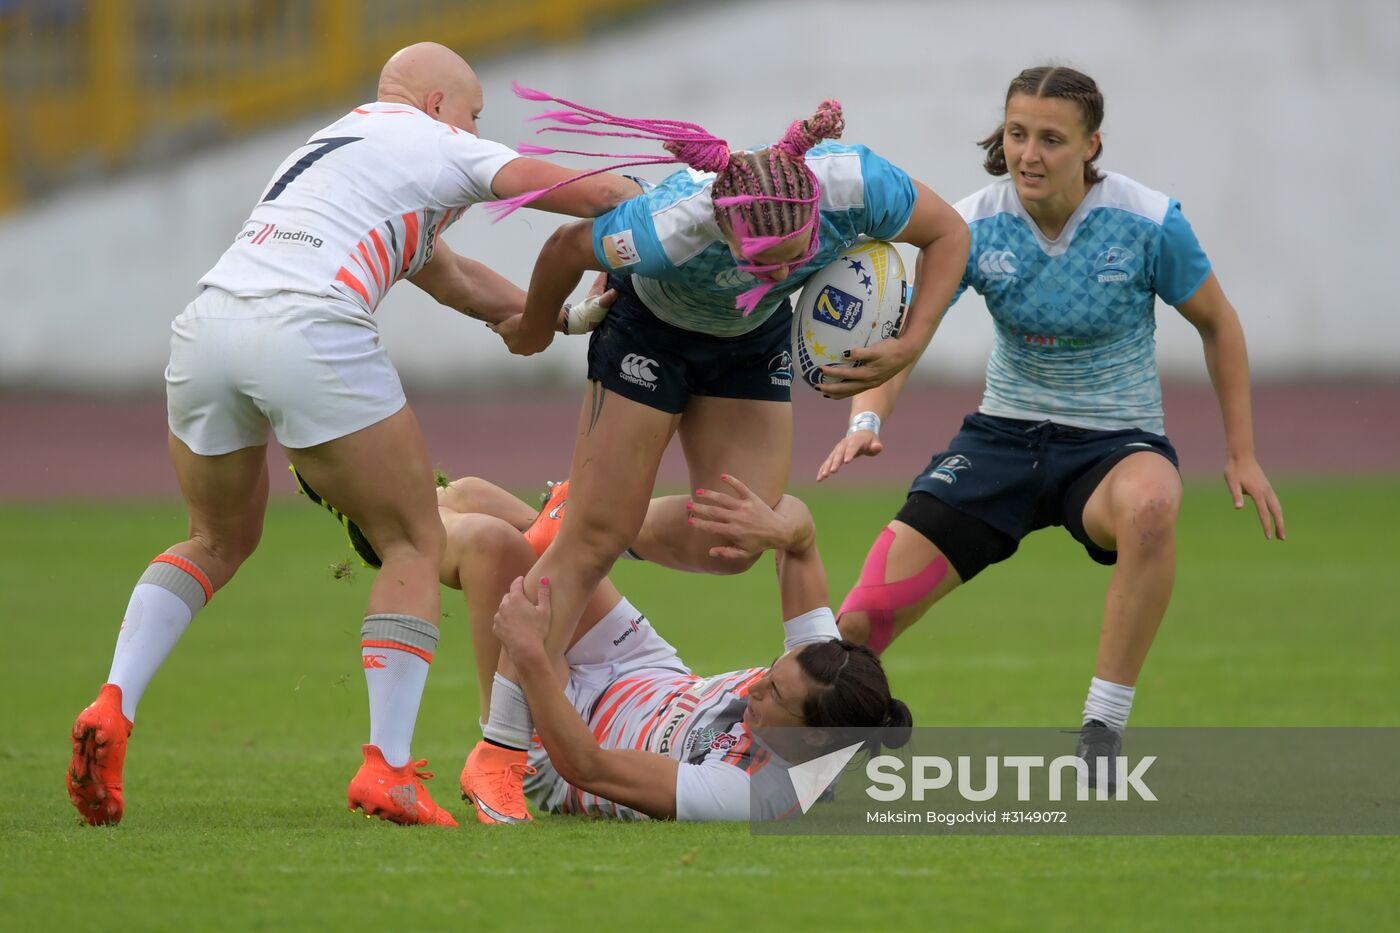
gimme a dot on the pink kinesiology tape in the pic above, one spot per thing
(880, 600)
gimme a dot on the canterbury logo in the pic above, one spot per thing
(998, 264)
(374, 661)
(637, 369)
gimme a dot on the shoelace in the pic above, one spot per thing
(508, 781)
(424, 774)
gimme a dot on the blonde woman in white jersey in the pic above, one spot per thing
(282, 336)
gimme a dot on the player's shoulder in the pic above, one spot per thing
(998, 198)
(682, 213)
(1117, 192)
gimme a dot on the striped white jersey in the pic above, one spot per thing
(653, 703)
(359, 207)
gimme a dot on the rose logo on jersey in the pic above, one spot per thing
(837, 308)
(1111, 264)
(947, 471)
(998, 264)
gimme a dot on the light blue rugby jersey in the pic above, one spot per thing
(669, 242)
(1075, 328)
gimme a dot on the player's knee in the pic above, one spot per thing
(1148, 513)
(228, 548)
(464, 495)
(477, 536)
(854, 626)
(726, 566)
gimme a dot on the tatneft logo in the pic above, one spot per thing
(1111, 265)
(632, 628)
(997, 264)
(780, 369)
(259, 234)
(947, 471)
(926, 773)
(637, 369)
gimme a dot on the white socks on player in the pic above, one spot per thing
(162, 605)
(396, 651)
(1109, 703)
(509, 723)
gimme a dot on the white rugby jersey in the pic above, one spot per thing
(359, 206)
(696, 720)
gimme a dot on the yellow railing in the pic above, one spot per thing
(90, 86)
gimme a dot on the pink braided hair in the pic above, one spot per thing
(745, 203)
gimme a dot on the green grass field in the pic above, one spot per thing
(236, 775)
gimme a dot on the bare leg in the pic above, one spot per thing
(379, 477)
(1134, 511)
(741, 437)
(486, 555)
(616, 455)
(226, 497)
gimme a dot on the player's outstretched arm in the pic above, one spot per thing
(1227, 361)
(469, 287)
(943, 241)
(644, 781)
(750, 527)
(565, 257)
(587, 197)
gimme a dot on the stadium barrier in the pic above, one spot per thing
(93, 86)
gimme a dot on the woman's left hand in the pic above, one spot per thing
(1245, 477)
(743, 520)
(879, 363)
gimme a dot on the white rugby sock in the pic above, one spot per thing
(509, 723)
(163, 603)
(1109, 703)
(396, 651)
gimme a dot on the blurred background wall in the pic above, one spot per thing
(135, 136)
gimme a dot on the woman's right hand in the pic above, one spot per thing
(857, 444)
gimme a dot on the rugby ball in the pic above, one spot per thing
(856, 300)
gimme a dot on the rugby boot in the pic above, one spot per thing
(358, 542)
(546, 524)
(493, 782)
(1099, 740)
(395, 794)
(99, 751)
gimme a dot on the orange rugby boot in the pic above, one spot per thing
(395, 794)
(493, 781)
(546, 524)
(99, 751)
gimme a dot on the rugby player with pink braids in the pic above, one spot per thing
(697, 343)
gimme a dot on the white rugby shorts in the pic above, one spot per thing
(295, 363)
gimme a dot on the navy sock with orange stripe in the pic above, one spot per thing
(396, 651)
(163, 603)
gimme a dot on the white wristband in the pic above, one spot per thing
(865, 421)
(584, 316)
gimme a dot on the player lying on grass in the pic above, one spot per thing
(627, 730)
